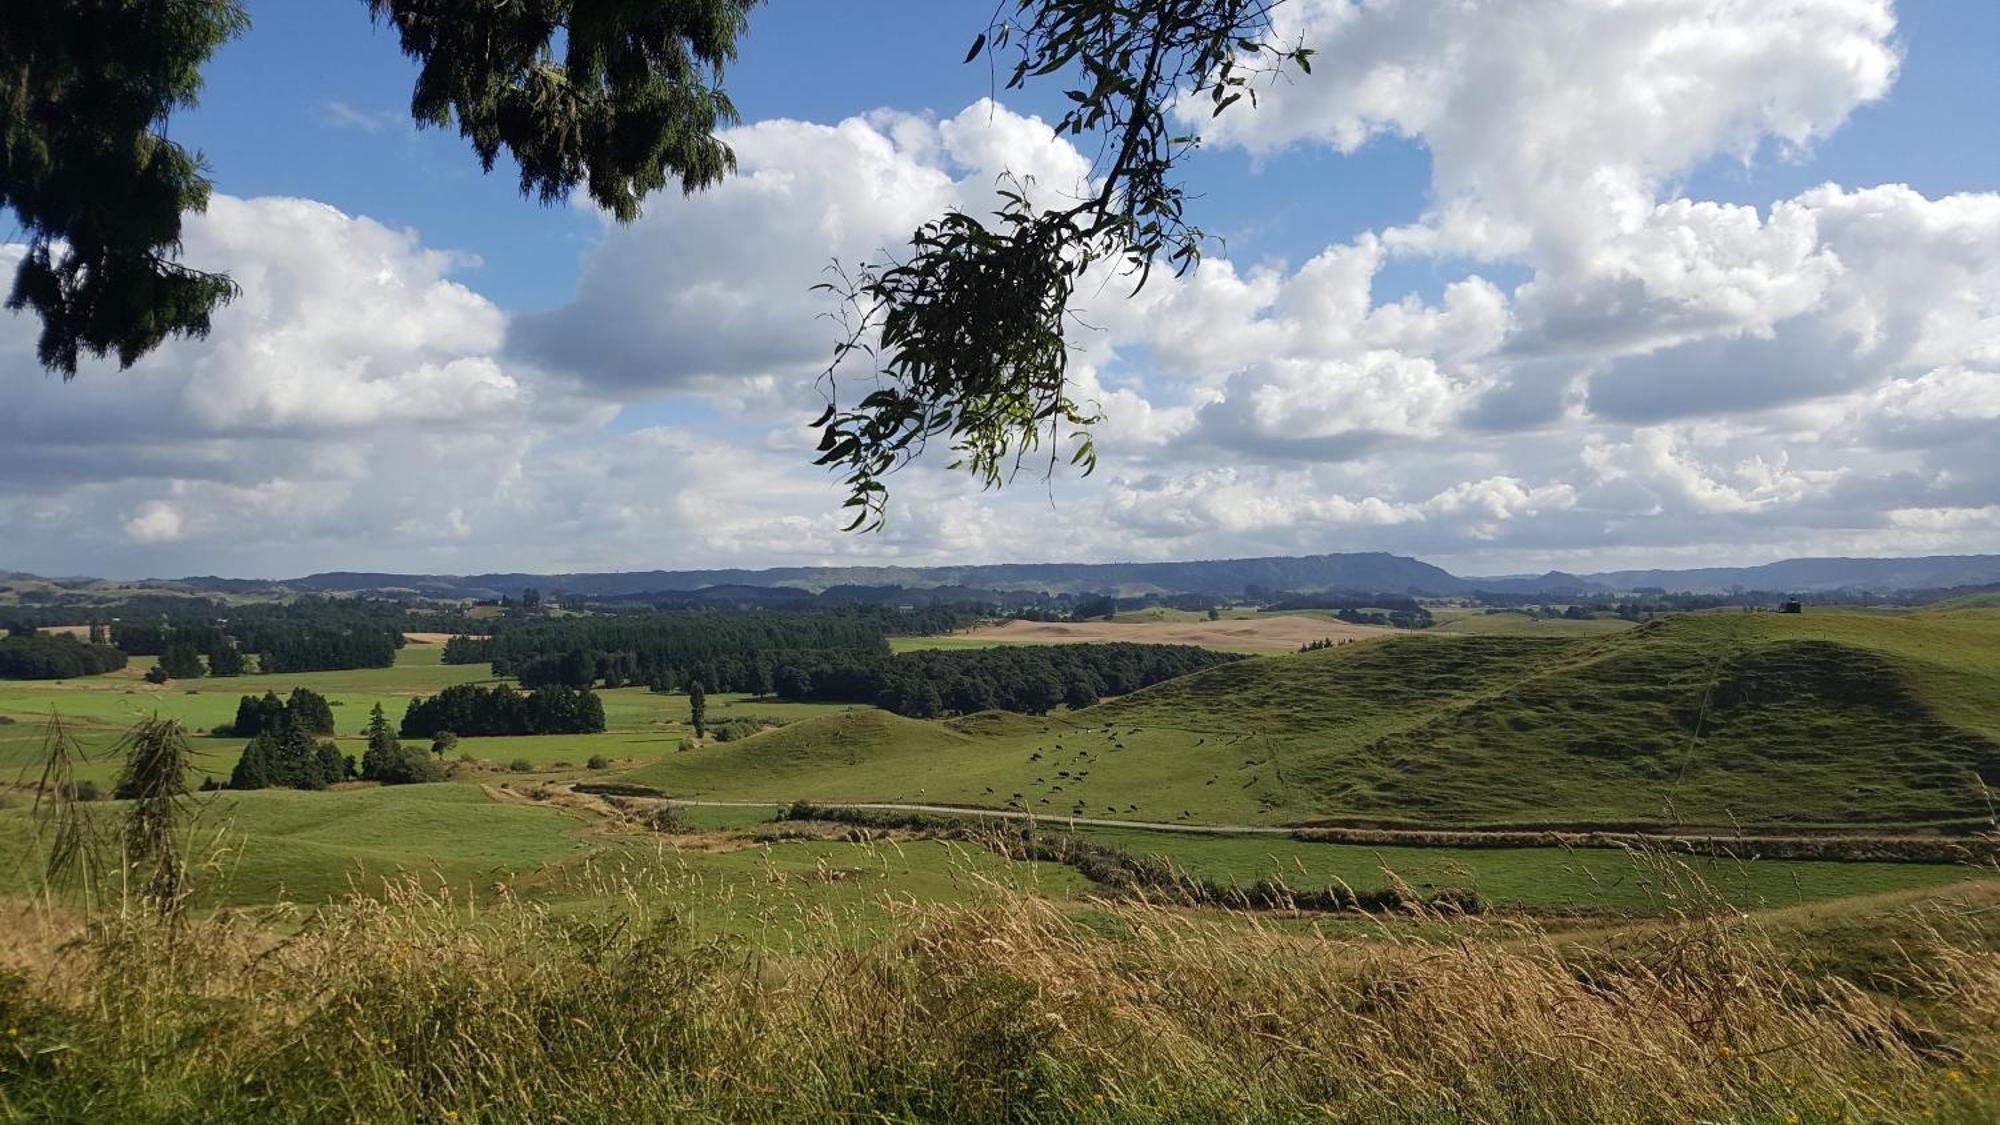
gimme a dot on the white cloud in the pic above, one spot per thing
(1551, 123)
(156, 522)
(719, 287)
(340, 115)
(1677, 378)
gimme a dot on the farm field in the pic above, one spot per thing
(737, 870)
(641, 725)
(1257, 633)
(1770, 720)
(1831, 718)
(547, 897)
(1507, 623)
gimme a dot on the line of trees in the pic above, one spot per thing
(30, 655)
(280, 647)
(469, 709)
(326, 649)
(1032, 679)
(725, 651)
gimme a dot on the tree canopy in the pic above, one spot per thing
(967, 333)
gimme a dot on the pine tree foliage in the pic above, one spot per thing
(621, 97)
(1033, 679)
(42, 656)
(285, 755)
(86, 87)
(472, 710)
(616, 96)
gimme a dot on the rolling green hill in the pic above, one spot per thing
(1827, 718)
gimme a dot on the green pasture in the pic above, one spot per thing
(1533, 878)
(1509, 623)
(1770, 720)
(785, 894)
(271, 846)
(641, 725)
(275, 845)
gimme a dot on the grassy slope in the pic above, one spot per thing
(273, 846)
(1827, 717)
(1767, 718)
(278, 844)
(786, 894)
(1510, 624)
(1536, 878)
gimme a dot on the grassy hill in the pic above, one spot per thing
(1828, 718)
(1513, 623)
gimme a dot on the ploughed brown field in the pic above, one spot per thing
(1284, 631)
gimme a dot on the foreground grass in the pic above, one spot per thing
(417, 1007)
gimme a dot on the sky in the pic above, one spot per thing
(1507, 285)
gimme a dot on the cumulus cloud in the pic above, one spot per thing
(719, 287)
(1551, 123)
(1675, 378)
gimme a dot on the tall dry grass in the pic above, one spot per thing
(420, 1006)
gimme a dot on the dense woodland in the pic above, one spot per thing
(42, 656)
(1033, 679)
(468, 709)
(666, 651)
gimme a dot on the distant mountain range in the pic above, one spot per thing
(1373, 573)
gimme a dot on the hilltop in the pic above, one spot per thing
(1830, 718)
(1358, 573)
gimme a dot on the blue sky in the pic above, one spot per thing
(1571, 289)
(313, 102)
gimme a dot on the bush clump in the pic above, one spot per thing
(729, 730)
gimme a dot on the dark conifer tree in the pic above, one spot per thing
(382, 759)
(225, 659)
(310, 710)
(253, 768)
(182, 661)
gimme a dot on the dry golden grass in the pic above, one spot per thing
(419, 1007)
(1282, 632)
(436, 638)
